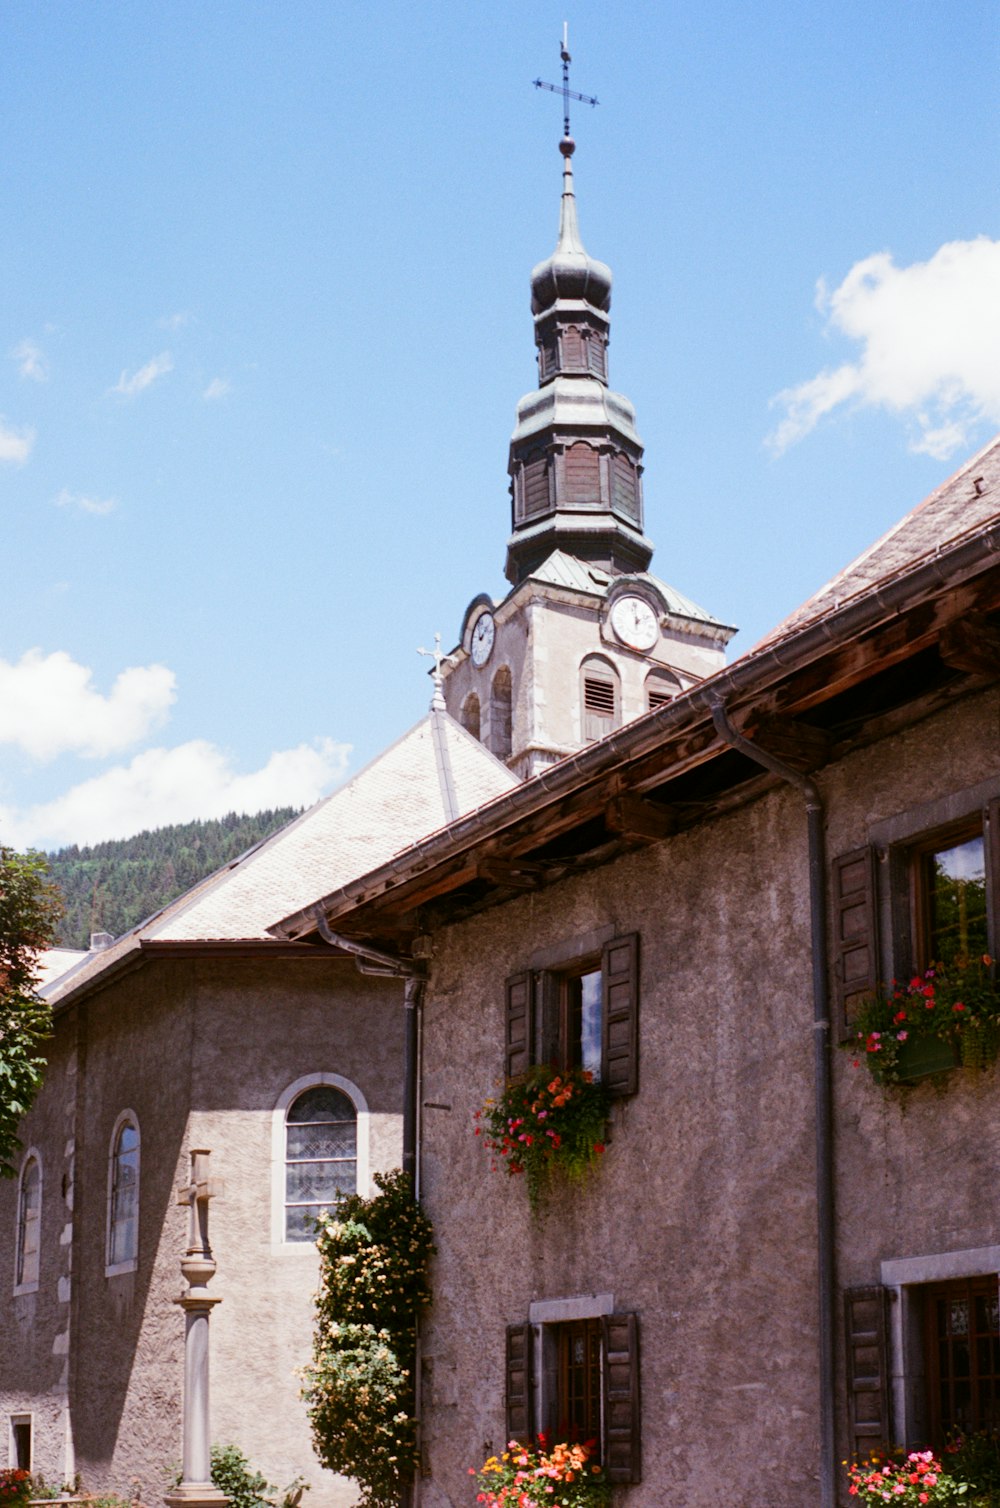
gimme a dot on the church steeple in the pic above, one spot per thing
(575, 456)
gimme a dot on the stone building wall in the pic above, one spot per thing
(701, 1217)
(200, 1050)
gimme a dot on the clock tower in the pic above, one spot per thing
(586, 638)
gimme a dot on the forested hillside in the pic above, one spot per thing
(112, 886)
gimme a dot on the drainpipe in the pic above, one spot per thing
(374, 961)
(821, 1080)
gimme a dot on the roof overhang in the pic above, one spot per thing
(905, 646)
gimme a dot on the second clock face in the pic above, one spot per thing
(634, 621)
(483, 634)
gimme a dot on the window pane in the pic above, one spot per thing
(123, 1242)
(334, 1139)
(29, 1223)
(957, 901)
(321, 1140)
(324, 1103)
(590, 1022)
(325, 1182)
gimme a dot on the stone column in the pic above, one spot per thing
(198, 1268)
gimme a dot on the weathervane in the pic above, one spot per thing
(564, 89)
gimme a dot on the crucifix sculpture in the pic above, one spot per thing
(198, 1268)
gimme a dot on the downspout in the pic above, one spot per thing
(822, 1083)
(374, 961)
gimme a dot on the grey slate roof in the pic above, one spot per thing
(562, 569)
(959, 506)
(435, 772)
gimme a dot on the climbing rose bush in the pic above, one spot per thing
(563, 1477)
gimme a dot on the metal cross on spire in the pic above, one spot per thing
(563, 88)
(439, 659)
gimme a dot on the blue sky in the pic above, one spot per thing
(266, 322)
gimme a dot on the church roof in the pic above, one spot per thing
(431, 775)
(959, 506)
(562, 569)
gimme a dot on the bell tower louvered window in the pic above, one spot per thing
(470, 715)
(601, 699)
(660, 689)
(582, 470)
(501, 714)
(533, 486)
(625, 487)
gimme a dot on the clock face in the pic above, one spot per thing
(634, 621)
(482, 638)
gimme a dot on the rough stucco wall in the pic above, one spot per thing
(201, 1051)
(701, 1216)
(34, 1326)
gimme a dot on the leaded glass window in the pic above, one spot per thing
(321, 1157)
(123, 1223)
(29, 1211)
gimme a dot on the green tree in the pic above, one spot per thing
(29, 912)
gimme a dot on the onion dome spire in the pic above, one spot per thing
(575, 457)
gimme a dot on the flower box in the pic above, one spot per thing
(919, 1057)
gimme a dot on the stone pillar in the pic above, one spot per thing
(198, 1268)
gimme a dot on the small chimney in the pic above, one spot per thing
(99, 941)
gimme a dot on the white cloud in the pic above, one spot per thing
(930, 339)
(217, 388)
(15, 444)
(100, 505)
(48, 706)
(176, 321)
(161, 786)
(31, 361)
(145, 376)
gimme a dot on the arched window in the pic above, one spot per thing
(470, 715)
(501, 714)
(123, 1195)
(601, 694)
(321, 1157)
(29, 1220)
(660, 689)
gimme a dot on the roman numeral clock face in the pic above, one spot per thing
(483, 636)
(634, 622)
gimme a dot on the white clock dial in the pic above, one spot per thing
(634, 621)
(483, 635)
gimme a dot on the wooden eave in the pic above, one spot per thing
(894, 654)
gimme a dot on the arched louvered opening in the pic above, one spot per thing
(601, 698)
(625, 487)
(660, 689)
(582, 473)
(469, 716)
(501, 714)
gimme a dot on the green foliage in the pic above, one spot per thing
(958, 1005)
(244, 1485)
(112, 887)
(976, 1459)
(374, 1255)
(546, 1121)
(29, 911)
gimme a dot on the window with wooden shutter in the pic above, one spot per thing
(470, 714)
(597, 356)
(867, 1369)
(601, 698)
(520, 1415)
(582, 474)
(573, 355)
(502, 713)
(534, 487)
(625, 487)
(520, 1030)
(622, 1419)
(620, 1024)
(855, 926)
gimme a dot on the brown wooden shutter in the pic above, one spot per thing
(992, 830)
(520, 1031)
(855, 933)
(582, 470)
(624, 489)
(622, 1421)
(620, 1022)
(548, 1011)
(868, 1397)
(535, 487)
(518, 1398)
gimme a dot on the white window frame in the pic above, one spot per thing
(279, 1244)
(12, 1420)
(31, 1154)
(902, 1276)
(114, 1269)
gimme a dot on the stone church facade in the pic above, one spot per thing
(760, 1274)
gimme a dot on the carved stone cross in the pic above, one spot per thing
(196, 1193)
